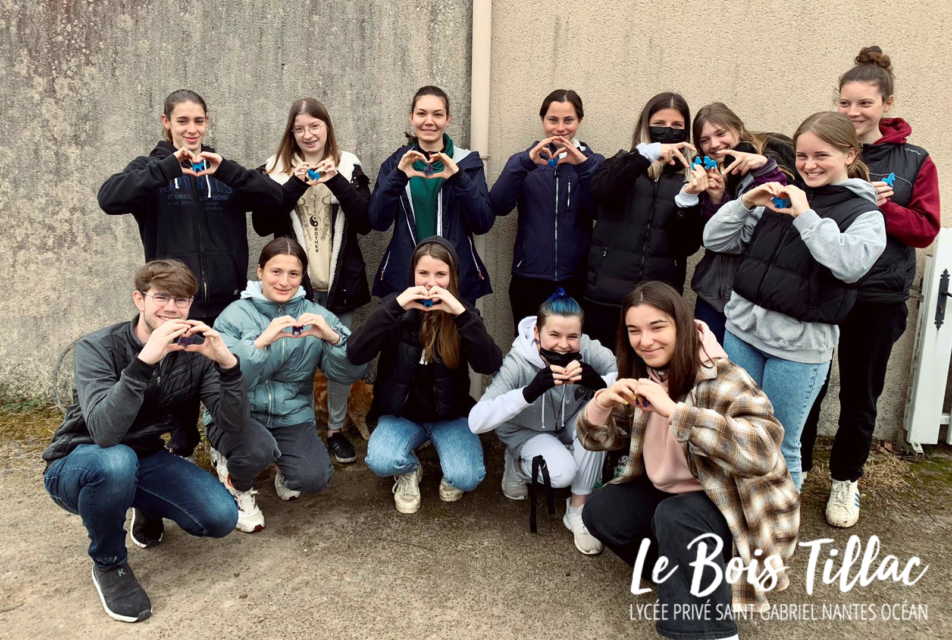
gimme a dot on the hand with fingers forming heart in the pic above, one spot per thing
(449, 169)
(406, 164)
(672, 152)
(570, 154)
(444, 301)
(317, 327)
(187, 160)
(761, 195)
(743, 162)
(652, 397)
(798, 201)
(325, 168)
(211, 162)
(542, 153)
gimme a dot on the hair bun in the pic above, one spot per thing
(559, 293)
(874, 55)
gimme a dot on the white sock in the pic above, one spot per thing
(568, 503)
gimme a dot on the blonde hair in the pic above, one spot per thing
(837, 130)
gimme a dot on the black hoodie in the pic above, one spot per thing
(406, 387)
(200, 221)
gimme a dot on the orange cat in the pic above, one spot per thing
(358, 402)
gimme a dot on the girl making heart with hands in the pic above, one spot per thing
(704, 458)
(280, 338)
(431, 187)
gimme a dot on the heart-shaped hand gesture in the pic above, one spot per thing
(798, 200)
(542, 153)
(444, 301)
(325, 168)
(188, 160)
(652, 397)
(449, 167)
(208, 161)
(743, 162)
(314, 324)
(569, 153)
(761, 195)
(406, 163)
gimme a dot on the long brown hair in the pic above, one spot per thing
(288, 148)
(722, 116)
(835, 129)
(686, 361)
(438, 333)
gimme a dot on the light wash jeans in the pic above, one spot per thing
(391, 447)
(792, 388)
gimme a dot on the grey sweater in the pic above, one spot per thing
(848, 255)
(504, 408)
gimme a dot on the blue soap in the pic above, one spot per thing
(709, 164)
(553, 163)
(313, 174)
(198, 167)
(890, 179)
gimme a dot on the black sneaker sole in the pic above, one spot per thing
(132, 535)
(345, 460)
(112, 614)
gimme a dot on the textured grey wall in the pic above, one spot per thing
(774, 63)
(83, 86)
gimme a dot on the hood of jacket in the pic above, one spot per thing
(894, 130)
(857, 185)
(255, 293)
(443, 242)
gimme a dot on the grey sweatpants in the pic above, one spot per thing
(569, 463)
(337, 393)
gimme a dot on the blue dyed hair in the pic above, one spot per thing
(559, 304)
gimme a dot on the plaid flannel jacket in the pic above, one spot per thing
(732, 442)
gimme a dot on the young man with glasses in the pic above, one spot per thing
(134, 382)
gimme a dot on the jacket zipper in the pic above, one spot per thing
(472, 251)
(201, 250)
(654, 199)
(409, 226)
(385, 263)
(556, 225)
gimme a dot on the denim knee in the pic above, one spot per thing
(220, 517)
(467, 478)
(118, 465)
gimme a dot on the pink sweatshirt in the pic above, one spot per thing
(665, 464)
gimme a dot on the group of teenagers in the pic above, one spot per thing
(809, 249)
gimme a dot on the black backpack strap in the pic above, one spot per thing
(538, 465)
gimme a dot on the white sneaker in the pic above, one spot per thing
(513, 486)
(842, 509)
(282, 489)
(803, 478)
(406, 491)
(250, 517)
(220, 465)
(449, 493)
(584, 541)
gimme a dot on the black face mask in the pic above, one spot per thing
(559, 359)
(667, 135)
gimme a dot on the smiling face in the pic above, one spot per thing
(430, 272)
(154, 315)
(819, 163)
(310, 134)
(187, 126)
(715, 137)
(561, 120)
(864, 105)
(652, 334)
(281, 277)
(560, 333)
(429, 118)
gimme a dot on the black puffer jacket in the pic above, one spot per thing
(641, 233)
(118, 399)
(349, 288)
(406, 387)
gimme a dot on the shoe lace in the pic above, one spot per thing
(841, 494)
(403, 485)
(246, 500)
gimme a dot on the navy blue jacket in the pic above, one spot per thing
(463, 210)
(556, 212)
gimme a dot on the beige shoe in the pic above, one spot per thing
(449, 493)
(406, 491)
(281, 488)
(585, 542)
(842, 509)
(513, 486)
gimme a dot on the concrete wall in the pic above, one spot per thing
(774, 63)
(83, 86)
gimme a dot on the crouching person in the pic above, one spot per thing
(281, 338)
(427, 338)
(704, 459)
(549, 375)
(134, 382)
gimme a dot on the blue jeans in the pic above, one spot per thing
(101, 484)
(391, 446)
(714, 319)
(792, 388)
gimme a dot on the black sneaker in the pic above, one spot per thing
(145, 531)
(342, 449)
(122, 596)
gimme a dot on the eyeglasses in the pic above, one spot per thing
(162, 299)
(313, 129)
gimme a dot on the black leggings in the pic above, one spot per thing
(622, 515)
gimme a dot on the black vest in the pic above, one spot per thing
(891, 277)
(633, 243)
(780, 274)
